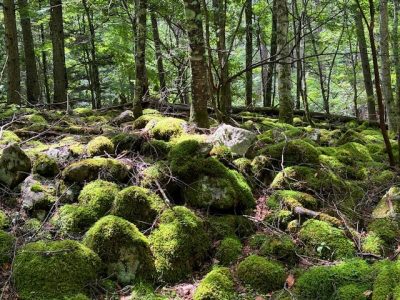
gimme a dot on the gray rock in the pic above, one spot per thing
(389, 205)
(126, 116)
(15, 166)
(238, 140)
(37, 193)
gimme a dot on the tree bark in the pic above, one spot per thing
(272, 66)
(159, 58)
(13, 66)
(44, 61)
(59, 68)
(32, 79)
(284, 64)
(249, 52)
(200, 95)
(396, 55)
(362, 45)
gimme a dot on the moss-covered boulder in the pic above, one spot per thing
(351, 136)
(127, 142)
(323, 240)
(220, 227)
(386, 283)
(74, 219)
(372, 243)
(94, 168)
(179, 244)
(389, 205)
(99, 196)
(122, 248)
(280, 247)
(138, 205)
(37, 193)
(8, 137)
(228, 251)
(291, 199)
(261, 274)
(166, 128)
(54, 270)
(216, 285)
(15, 166)
(45, 166)
(6, 247)
(99, 146)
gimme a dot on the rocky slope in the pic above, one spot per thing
(97, 205)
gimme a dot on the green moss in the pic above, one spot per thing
(138, 205)
(216, 285)
(386, 280)
(243, 165)
(281, 247)
(83, 111)
(77, 149)
(179, 244)
(323, 282)
(291, 199)
(143, 291)
(166, 128)
(53, 270)
(351, 292)
(73, 218)
(257, 240)
(387, 229)
(221, 152)
(122, 248)
(157, 172)
(261, 274)
(6, 247)
(126, 142)
(325, 241)
(293, 153)
(155, 148)
(37, 187)
(372, 243)
(99, 146)
(93, 168)
(4, 220)
(224, 226)
(99, 196)
(389, 205)
(142, 121)
(37, 119)
(279, 218)
(351, 136)
(228, 251)
(8, 137)
(45, 165)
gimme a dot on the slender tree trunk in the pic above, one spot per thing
(271, 67)
(249, 52)
(200, 95)
(13, 66)
(44, 61)
(262, 48)
(140, 58)
(297, 26)
(386, 66)
(94, 69)
(59, 68)
(362, 45)
(159, 58)
(32, 79)
(284, 65)
(396, 54)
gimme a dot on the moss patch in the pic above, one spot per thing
(216, 285)
(228, 251)
(99, 146)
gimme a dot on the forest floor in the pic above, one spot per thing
(97, 205)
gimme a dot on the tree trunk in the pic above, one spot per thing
(249, 52)
(362, 45)
(13, 66)
(159, 58)
(44, 61)
(200, 95)
(386, 67)
(59, 69)
(396, 54)
(140, 58)
(32, 80)
(284, 64)
(271, 67)
(262, 48)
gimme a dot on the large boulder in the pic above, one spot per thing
(238, 140)
(15, 166)
(125, 116)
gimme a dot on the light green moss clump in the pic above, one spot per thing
(166, 128)
(93, 168)
(99, 196)
(155, 148)
(54, 270)
(221, 152)
(216, 285)
(179, 244)
(122, 248)
(37, 119)
(351, 292)
(386, 281)
(8, 137)
(137, 205)
(6, 247)
(291, 199)
(220, 227)
(261, 274)
(99, 146)
(325, 241)
(281, 247)
(73, 218)
(4, 220)
(45, 165)
(228, 251)
(351, 136)
(372, 243)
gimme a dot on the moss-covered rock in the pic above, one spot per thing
(15, 166)
(389, 205)
(281, 247)
(138, 205)
(325, 241)
(261, 274)
(45, 166)
(220, 227)
(99, 146)
(166, 128)
(94, 168)
(6, 247)
(291, 199)
(122, 248)
(387, 229)
(157, 149)
(179, 244)
(216, 285)
(99, 196)
(54, 270)
(74, 219)
(228, 251)
(8, 137)
(351, 136)
(37, 193)
(127, 142)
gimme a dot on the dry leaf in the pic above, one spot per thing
(290, 281)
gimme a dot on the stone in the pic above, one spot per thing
(237, 139)
(15, 166)
(124, 117)
(389, 205)
(37, 193)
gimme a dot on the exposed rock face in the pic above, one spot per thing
(15, 166)
(389, 205)
(126, 116)
(237, 139)
(36, 192)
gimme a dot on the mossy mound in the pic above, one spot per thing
(94, 168)
(137, 205)
(122, 248)
(145, 119)
(98, 196)
(15, 166)
(45, 166)
(74, 219)
(179, 244)
(166, 128)
(220, 227)
(386, 283)
(281, 247)
(8, 137)
(323, 240)
(387, 229)
(291, 199)
(261, 274)
(127, 142)
(373, 244)
(54, 270)
(351, 136)
(216, 285)
(228, 251)
(6, 247)
(99, 146)
(4, 220)
(157, 149)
